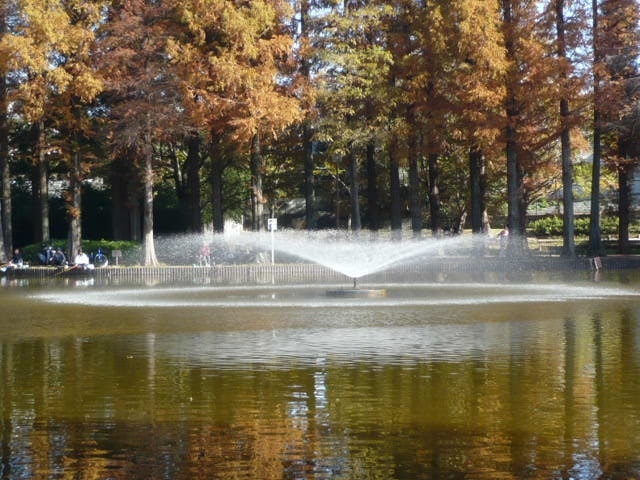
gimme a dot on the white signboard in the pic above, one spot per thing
(272, 224)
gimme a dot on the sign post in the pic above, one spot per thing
(272, 224)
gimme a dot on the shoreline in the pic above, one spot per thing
(297, 273)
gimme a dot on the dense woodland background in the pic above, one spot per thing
(123, 118)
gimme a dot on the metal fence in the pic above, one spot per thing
(302, 273)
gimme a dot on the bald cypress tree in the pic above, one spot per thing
(476, 91)
(31, 45)
(233, 62)
(568, 249)
(50, 53)
(453, 71)
(142, 93)
(71, 106)
(620, 96)
(533, 123)
(5, 175)
(595, 241)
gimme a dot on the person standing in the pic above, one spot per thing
(503, 236)
(204, 257)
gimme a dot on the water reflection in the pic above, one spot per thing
(402, 390)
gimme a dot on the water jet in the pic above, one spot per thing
(354, 255)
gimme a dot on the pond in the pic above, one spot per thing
(448, 379)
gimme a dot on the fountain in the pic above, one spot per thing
(246, 380)
(353, 255)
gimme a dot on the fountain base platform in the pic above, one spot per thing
(357, 292)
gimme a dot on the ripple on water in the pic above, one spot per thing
(315, 297)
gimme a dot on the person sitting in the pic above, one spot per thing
(82, 261)
(46, 255)
(100, 259)
(59, 259)
(17, 260)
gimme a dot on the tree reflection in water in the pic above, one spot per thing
(485, 392)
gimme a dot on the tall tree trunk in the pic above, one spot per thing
(354, 190)
(74, 202)
(568, 244)
(478, 184)
(415, 195)
(179, 179)
(74, 206)
(394, 181)
(216, 196)
(41, 185)
(125, 198)
(372, 188)
(217, 199)
(119, 215)
(6, 231)
(134, 200)
(595, 241)
(43, 181)
(478, 194)
(434, 194)
(181, 188)
(624, 208)
(4, 257)
(150, 258)
(338, 197)
(568, 228)
(515, 193)
(192, 167)
(120, 176)
(310, 215)
(311, 221)
(257, 197)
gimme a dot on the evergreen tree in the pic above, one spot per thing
(352, 86)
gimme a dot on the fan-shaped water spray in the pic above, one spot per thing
(354, 255)
(350, 254)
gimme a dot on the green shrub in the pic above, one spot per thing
(609, 225)
(552, 226)
(582, 226)
(547, 226)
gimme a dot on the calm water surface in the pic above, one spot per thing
(445, 380)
